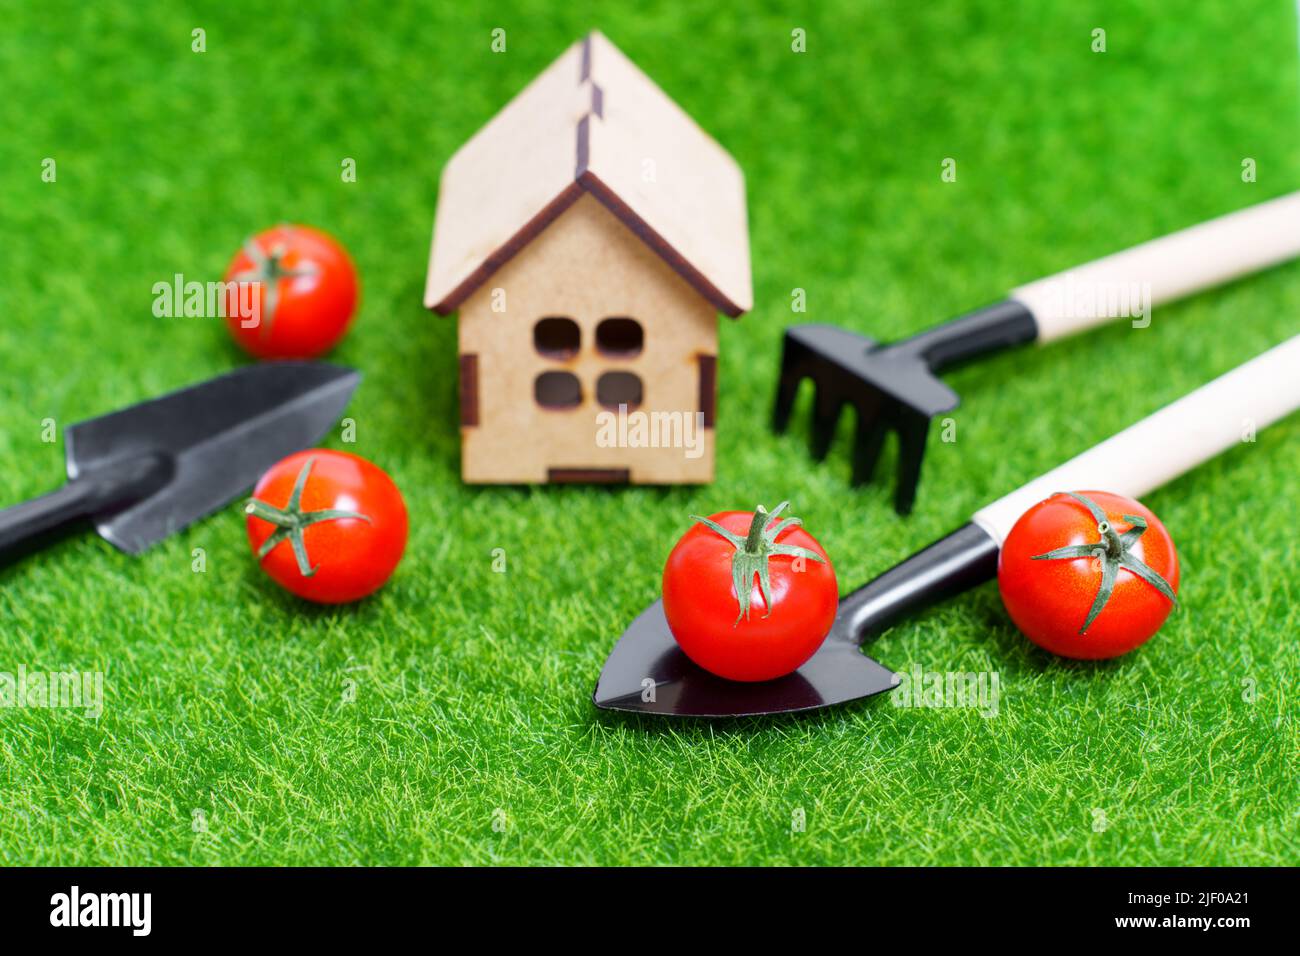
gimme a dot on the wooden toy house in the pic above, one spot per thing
(588, 235)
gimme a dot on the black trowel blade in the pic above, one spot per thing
(218, 436)
(648, 673)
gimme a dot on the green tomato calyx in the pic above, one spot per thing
(267, 271)
(755, 550)
(1114, 550)
(291, 521)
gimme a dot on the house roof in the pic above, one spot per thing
(592, 122)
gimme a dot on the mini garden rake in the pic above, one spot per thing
(896, 386)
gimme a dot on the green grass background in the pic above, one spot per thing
(472, 689)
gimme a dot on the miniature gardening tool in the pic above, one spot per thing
(648, 673)
(147, 471)
(895, 386)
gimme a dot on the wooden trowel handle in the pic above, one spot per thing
(1226, 412)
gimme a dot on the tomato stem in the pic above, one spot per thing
(291, 521)
(755, 550)
(1114, 552)
(267, 272)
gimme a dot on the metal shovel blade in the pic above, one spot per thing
(217, 439)
(648, 673)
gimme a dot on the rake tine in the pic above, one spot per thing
(912, 430)
(794, 356)
(787, 389)
(826, 414)
(866, 447)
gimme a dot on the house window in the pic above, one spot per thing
(618, 388)
(557, 337)
(619, 337)
(557, 390)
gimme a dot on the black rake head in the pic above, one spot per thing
(891, 387)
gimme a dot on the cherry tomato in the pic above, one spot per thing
(326, 525)
(306, 295)
(783, 610)
(1052, 580)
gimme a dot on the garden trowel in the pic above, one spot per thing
(648, 673)
(147, 471)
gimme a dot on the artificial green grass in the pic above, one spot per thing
(229, 735)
